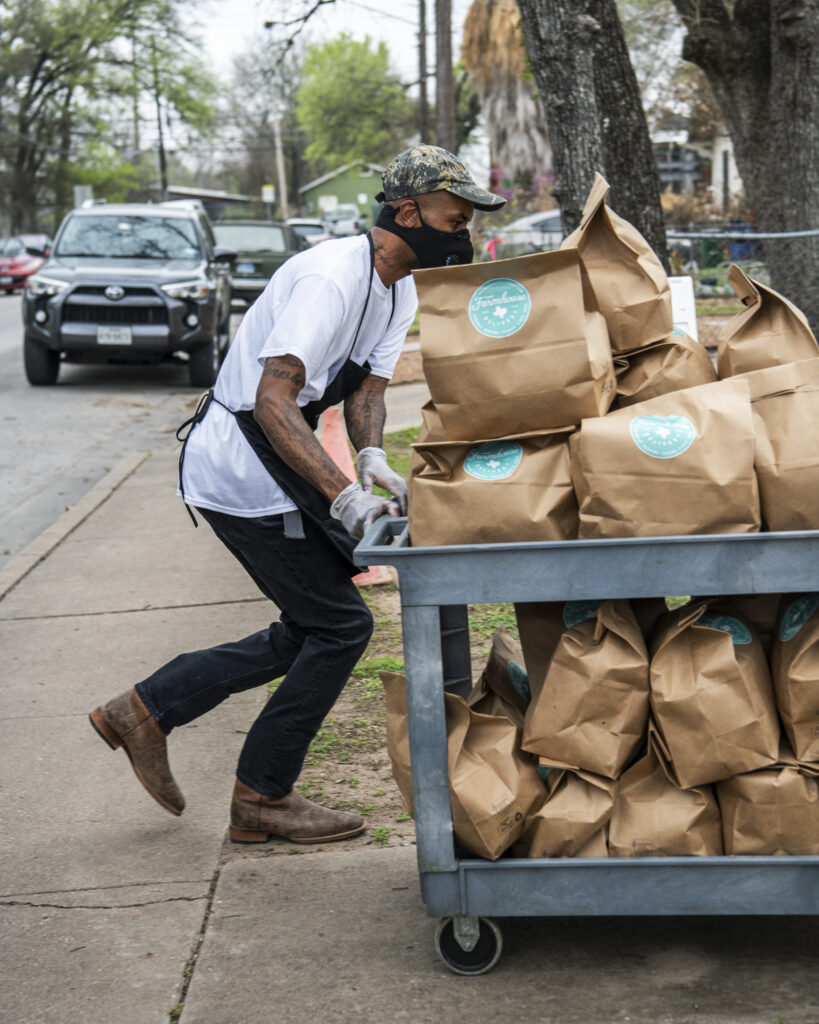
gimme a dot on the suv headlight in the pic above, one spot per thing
(197, 289)
(39, 285)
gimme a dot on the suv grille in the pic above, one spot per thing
(75, 313)
(93, 289)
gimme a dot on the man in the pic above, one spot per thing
(328, 328)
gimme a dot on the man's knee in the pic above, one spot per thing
(359, 628)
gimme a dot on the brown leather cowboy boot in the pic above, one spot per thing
(254, 818)
(126, 722)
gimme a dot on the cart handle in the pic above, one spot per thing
(382, 535)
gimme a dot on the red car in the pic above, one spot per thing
(17, 263)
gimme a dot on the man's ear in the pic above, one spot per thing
(407, 215)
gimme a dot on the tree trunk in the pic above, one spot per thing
(423, 102)
(444, 78)
(23, 190)
(593, 109)
(761, 58)
(629, 158)
(62, 198)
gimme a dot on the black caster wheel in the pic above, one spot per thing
(479, 933)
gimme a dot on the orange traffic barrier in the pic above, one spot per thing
(334, 442)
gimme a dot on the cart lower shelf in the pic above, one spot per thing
(436, 586)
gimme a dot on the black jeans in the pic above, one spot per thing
(323, 630)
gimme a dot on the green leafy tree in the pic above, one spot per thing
(350, 105)
(67, 80)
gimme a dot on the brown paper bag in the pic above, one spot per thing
(770, 812)
(516, 489)
(431, 429)
(572, 821)
(711, 696)
(492, 785)
(503, 688)
(627, 277)
(771, 331)
(395, 698)
(761, 610)
(592, 711)
(795, 670)
(513, 346)
(785, 405)
(676, 363)
(540, 627)
(652, 817)
(679, 464)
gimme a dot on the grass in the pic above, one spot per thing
(485, 619)
(397, 446)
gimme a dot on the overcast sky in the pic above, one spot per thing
(230, 26)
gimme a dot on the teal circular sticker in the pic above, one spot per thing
(575, 612)
(495, 460)
(663, 437)
(796, 615)
(519, 678)
(739, 633)
(499, 307)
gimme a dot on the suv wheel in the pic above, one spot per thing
(205, 362)
(42, 364)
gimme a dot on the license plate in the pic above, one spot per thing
(6, 280)
(245, 268)
(114, 336)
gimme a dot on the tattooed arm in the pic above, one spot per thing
(365, 412)
(280, 417)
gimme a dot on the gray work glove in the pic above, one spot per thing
(356, 509)
(373, 469)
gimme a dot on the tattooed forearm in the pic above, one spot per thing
(365, 413)
(286, 429)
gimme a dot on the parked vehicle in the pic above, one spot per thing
(20, 257)
(261, 247)
(309, 231)
(345, 219)
(536, 232)
(129, 283)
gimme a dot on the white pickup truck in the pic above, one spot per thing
(345, 219)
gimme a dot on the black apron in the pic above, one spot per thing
(309, 501)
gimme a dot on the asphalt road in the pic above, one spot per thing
(57, 442)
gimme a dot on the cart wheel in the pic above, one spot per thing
(485, 940)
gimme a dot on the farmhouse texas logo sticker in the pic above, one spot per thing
(499, 307)
(493, 461)
(663, 437)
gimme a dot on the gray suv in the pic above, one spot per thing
(131, 283)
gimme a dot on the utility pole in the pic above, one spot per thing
(163, 163)
(444, 78)
(423, 102)
(277, 140)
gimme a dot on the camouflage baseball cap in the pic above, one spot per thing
(422, 169)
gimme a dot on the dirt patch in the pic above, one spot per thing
(708, 328)
(408, 369)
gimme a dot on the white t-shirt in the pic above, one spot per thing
(310, 308)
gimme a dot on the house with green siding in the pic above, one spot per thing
(356, 183)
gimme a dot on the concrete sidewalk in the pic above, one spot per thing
(113, 910)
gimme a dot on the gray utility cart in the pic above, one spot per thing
(437, 584)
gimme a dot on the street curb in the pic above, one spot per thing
(41, 547)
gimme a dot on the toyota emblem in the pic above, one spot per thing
(114, 292)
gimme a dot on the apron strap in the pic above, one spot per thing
(187, 426)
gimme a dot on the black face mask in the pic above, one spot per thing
(433, 248)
